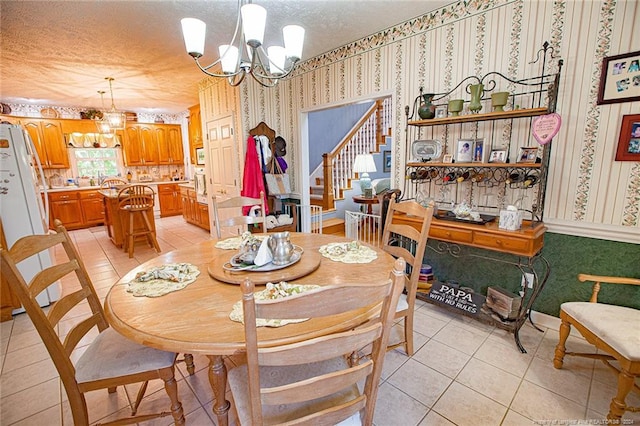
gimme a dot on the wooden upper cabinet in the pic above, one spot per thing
(48, 138)
(174, 139)
(78, 126)
(140, 146)
(195, 131)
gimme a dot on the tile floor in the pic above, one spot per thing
(463, 372)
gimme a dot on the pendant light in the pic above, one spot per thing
(115, 118)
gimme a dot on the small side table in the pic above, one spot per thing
(359, 199)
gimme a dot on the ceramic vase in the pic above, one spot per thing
(499, 100)
(455, 106)
(476, 90)
(427, 110)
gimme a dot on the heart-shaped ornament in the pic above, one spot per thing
(545, 127)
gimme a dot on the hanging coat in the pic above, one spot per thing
(253, 180)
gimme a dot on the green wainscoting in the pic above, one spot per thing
(568, 256)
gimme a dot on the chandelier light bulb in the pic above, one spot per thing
(194, 31)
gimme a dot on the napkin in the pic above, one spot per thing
(264, 255)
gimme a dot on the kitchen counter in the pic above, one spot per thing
(114, 218)
(85, 188)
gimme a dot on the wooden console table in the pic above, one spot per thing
(525, 245)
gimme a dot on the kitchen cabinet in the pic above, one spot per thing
(66, 207)
(169, 139)
(48, 138)
(92, 208)
(195, 131)
(140, 145)
(8, 300)
(76, 208)
(169, 199)
(192, 211)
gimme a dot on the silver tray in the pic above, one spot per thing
(236, 265)
(426, 150)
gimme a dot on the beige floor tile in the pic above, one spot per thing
(489, 381)
(463, 339)
(392, 361)
(464, 406)
(427, 325)
(568, 383)
(23, 378)
(530, 338)
(199, 417)
(396, 408)
(24, 357)
(435, 419)
(580, 365)
(442, 358)
(505, 356)
(420, 382)
(600, 398)
(514, 419)
(200, 385)
(27, 402)
(539, 404)
(437, 312)
(23, 340)
(49, 416)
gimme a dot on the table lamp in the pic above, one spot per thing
(363, 165)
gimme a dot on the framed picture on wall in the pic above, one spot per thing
(498, 156)
(200, 156)
(386, 161)
(479, 153)
(464, 151)
(629, 139)
(620, 79)
(527, 155)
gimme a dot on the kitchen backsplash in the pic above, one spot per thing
(54, 177)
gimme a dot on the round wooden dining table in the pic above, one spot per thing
(195, 319)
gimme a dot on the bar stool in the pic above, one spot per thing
(137, 200)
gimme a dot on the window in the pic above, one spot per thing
(96, 162)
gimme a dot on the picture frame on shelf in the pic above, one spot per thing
(620, 79)
(386, 161)
(464, 151)
(527, 154)
(200, 156)
(447, 158)
(441, 111)
(479, 153)
(629, 140)
(498, 156)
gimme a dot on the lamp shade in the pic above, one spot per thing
(194, 31)
(228, 57)
(254, 20)
(293, 41)
(364, 163)
(277, 59)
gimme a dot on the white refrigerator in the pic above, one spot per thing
(22, 208)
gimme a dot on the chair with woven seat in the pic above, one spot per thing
(111, 360)
(137, 201)
(401, 239)
(312, 381)
(235, 221)
(611, 329)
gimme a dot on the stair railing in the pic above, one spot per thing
(365, 137)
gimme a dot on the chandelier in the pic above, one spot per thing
(103, 125)
(266, 67)
(115, 119)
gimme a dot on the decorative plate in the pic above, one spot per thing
(426, 150)
(48, 113)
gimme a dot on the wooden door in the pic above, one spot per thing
(92, 208)
(66, 207)
(174, 141)
(222, 165)
(132, 146)
(162, 141)
(195, 131)
(54, 145)
(33, 128)
(149, 145)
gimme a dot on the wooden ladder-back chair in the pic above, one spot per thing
(113, 182)
(238, 203)
(110, 360)
(613, 330)
(401, 239)
(311, 381)
(137, 201)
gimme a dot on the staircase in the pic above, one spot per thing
(336, 174)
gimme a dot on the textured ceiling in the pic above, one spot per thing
(59, 52)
